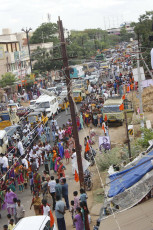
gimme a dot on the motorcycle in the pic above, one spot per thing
(91, 156)
(87, 180)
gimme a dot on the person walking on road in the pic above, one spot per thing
(51, 187)
(65, 192)
(20, 211)
(59, 213)
(58, 189)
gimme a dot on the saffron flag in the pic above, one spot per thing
(51, 219)
(103, 126)
(121, 107)
(87, 147)
(123, 97)
(76, 176)
(105, 119)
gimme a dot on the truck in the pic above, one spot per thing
(112, 111)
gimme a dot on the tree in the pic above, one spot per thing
(143, 30)
(43, 60)
(46, 32)
(7, 79)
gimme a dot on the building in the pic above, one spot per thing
(116, 31)
(12, 57)
(14, 54)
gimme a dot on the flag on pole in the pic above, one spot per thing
(105, 119)
(121, 107)
(76, 177)
(87, 147)
(103, 126)
(51, 219)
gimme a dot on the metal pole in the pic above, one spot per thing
(72, 108)
(127, 135)
(140, 89)
(27, 33)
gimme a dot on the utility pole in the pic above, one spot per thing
(27, 35)
(72, 108)
(127, 135)
(140, 88)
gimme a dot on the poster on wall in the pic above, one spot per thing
(104, 143)
(1, 52)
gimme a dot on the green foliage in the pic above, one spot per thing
(147, 135)
(45, 33)
(7, 79)
(143, 30)
(118, 155)
(43, 60)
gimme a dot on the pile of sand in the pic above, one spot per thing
(147, 99)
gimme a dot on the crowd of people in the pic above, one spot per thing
(45, 144)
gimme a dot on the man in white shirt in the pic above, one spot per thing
(20, 147)
(4, 162)
(25, 162)
(73, 157)
(51, 188)
(46, 208)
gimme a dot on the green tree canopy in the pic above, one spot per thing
(7, 79)
(46, 32)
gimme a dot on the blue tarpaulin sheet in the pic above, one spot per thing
(119, 182)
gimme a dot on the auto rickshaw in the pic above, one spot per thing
(34, 117)
(77, 94)
(63, 104)
(5, 120)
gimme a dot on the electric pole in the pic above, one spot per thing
(140, 88)
(27, 35)
(127, 135)
(72, 108)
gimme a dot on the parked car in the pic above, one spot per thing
(23, 112)
(3, 141)
(32, 104)
(34, 223)
(10, 130)
(13, 106)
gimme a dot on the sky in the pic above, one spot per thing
(75, 14)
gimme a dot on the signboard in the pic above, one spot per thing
(1, 52)
(135, 74)
(130, 130)
(104, 143)
(148, 124)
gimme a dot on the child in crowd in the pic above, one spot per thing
(76, 200)
(9, 218)
(72, 211)
(83, 195)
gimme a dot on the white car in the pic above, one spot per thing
(13, 106)
(32, 104)
(34, 223)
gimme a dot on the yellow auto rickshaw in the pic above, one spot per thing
(5, 120)
(34, 118)
(77, 95)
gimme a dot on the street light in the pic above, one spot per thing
(27, 35)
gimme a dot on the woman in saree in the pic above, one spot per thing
(57, 163)
(71, 143)
(37, 181)
(85, 213)
(52, 157)
(61, 148)
(61, 170)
